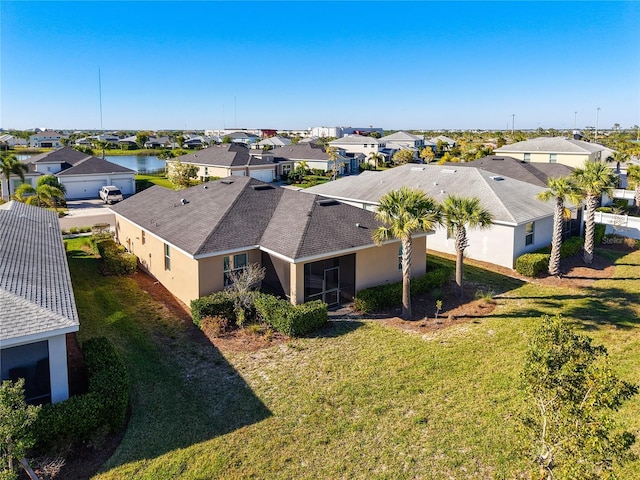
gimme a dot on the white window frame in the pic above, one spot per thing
(529, 233)
(167, 257)
(233, 263)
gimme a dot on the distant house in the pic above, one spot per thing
(38, 307)
(522, 223)
(311, 248)
(447, 142)
(82, 175)
(128, 142)
(46, 139)
(567, 151)
(354, 144)
(401, 140)
(10, 141)
(314, 156)
(196, 142)
(273, 142)
(158, 142)
(229, 159)
(245, 138)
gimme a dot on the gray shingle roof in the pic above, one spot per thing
(534, 173)
(551, 145)
(401, 136)
(35, 286)
(301, 151)
(354, 140)
(242, 212)
(510, 201)
(225, 155)
(94, 165)
(67, 155)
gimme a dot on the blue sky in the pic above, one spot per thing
(290, 65)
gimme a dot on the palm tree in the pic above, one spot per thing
(403, 212)
(561, 189)
(11, 165)
(375, 157)
(633, 177)
(595, 178)
(43, 195)
(458, 214)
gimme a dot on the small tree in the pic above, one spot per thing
(241, 290)
(181, 174)
(427, 154)
(16, 419)
(633, 177)
(142, 138)
(402, 156)
(571, 391)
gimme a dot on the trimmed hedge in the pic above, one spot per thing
(571, 246)
(598, 235)
(218, 304)
(530, 264)
(292, 320)
(385, 296)
(114, 257)
(104, 406)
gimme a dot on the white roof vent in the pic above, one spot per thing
(448, 170)
(184, 201)
(497, 178)
(417, 169)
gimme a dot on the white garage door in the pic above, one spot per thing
(264, 175)
(126, 186)
(86, 189)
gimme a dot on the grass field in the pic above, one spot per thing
(357, 400)
(145, 181)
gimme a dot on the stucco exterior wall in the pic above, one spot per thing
(58, 368)
(211, 271)
(379, 265)
(181, 280)
(494, 245)
(571, 160)
(542, 235)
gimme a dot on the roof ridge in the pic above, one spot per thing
(314, 205)
(493, 192)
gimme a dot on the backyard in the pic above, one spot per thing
(359, 399)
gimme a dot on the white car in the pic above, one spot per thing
(110, 194)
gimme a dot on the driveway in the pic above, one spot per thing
(84, 213)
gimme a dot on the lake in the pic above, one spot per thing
(139, 163)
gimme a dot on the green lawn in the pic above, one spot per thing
(358, 400)
(145, 181)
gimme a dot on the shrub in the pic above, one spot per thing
(293, 320)
(115, 260)
(104, 406)
(219, 304)
(385, 296)
(571, 246)
(214, 326)
(530, 264)
(598, 236)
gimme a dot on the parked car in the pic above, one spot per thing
(110, 194)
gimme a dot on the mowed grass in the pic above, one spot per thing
(145, 181)
(357, 400)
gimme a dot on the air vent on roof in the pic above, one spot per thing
(417, 169)
(262, 187)
(448, 170)
(497, 178)
(327, 202)
(497, 158)
(226, 182)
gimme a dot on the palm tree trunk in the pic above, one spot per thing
(556, 241)
(589, 229)
(636, 195)
(407, 246)
(461, 243)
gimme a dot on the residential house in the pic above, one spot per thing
(229, 159)
(9, 141)
(128, 143)
(522, 223)
(82, 175)
(403, 140)
(567, 151)
(158, 142)
(46, 139)
(273, 142)
(196, 142)
(358, 144)
(314, 156)
(38, 307)
(447, 143)
(245, 138)
(311, 248)
(338, 132)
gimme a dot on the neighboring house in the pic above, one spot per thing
(128, 142)
(38, 307)
(567, 151)
(243, 137)
(311, 248)
(314, 156)
(196, 142)
(403, 140)
(338, 132)
(448, 142)
(355, 144)
(82, 175)
(522, 223)
(158, 142)
(274, 142)
(10, 141)
(229, 159)
(46, 139)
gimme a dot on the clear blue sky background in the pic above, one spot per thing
(196, 65)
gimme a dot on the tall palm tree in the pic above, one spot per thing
(42, 196)
(11, 165)
(458, 214)
(561, 190)
(376, 158)
(594, 178)
(403, 212)
(633, 177)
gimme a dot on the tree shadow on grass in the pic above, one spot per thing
(183, 390)
(336, 328)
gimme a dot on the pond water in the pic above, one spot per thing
(139, 163)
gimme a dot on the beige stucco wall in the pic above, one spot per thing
(374, 266)
(211, 271)
(571, 160)
(181, 280)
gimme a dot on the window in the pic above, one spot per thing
(167, 257)
(233, 263)
(553, 157)
(144, 239)
(527, 157)
(528, 233)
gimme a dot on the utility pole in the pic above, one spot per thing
(513, 123)
(575, 116)
(597, 115)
